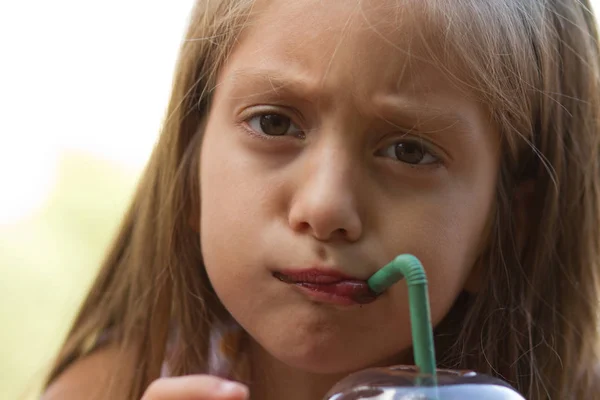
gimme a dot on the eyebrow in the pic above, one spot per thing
(390, 108)
(276, 82)
(421, 113)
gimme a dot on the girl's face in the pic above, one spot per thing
(333, 145)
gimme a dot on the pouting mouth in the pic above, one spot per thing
(313, 277)
(306, 278)
(357, 290)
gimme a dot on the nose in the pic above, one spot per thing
(325, 202)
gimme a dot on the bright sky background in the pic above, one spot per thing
(80, 75)
(84, 75)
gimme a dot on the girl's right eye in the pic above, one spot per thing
(273, 124)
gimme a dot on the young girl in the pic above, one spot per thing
(310, 142)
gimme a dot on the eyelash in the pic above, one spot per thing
(426, 148)
(266, 112)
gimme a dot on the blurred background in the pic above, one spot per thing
(83, 89)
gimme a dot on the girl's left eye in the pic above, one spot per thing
(273, 124)
(410, 152)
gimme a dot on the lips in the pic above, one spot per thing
(329, 286)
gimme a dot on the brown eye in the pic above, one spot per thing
(410, 152)
(273, 125)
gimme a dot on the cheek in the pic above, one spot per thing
(235, 204)
(445, 229)
(458, 233)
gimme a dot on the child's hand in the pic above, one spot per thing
(195, 387)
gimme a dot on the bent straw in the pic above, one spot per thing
(409, 267)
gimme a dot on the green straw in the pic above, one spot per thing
(409, 267)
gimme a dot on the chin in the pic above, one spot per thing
(327, 358)
(318, 341)
(329, 364)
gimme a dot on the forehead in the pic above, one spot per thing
(380, 46)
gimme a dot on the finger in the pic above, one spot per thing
(195, 387)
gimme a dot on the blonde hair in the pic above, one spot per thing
(535, 64)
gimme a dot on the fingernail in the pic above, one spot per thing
(233, 389)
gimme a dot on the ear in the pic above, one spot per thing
(521, 205)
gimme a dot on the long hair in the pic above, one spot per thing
(535, 65)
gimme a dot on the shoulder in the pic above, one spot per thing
(87, 378)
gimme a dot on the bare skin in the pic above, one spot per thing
(85, 379)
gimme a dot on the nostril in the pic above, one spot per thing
(325, 224)
(303, 226)
(342, 232)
